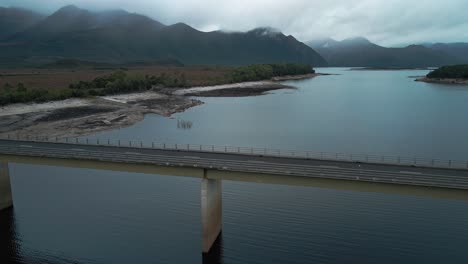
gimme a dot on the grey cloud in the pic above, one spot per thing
(387, 22)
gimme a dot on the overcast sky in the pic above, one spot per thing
(386, 22)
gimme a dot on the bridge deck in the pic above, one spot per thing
(301, 167)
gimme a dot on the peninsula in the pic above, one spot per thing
(86, 101)
(456, 74)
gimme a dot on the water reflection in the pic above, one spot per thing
(10, 248)
(185, 125)
(215, 255)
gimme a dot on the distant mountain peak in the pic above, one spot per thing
(322, 43)
(14, 20)
(181, 27)
(69, 9)
(356, 41)
(265, 31)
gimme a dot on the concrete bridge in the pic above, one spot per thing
(396, 175)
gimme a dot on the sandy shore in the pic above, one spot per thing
(16, 109)
(443, 81)
(233, 90)
(245, 88)
(298, 77)
(79, 117)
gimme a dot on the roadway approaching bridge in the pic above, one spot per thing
(428, 177)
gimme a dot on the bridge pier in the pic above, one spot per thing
(6, 199)
(211, 211)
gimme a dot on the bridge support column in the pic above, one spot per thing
(211, 211)
(6, 199)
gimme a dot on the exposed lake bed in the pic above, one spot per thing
(78, 117)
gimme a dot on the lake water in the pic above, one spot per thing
(64, 215)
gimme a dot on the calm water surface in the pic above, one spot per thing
(65, 215)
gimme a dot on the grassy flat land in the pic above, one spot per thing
(41, 85)
(62, 78)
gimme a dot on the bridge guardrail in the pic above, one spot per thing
(326, 156)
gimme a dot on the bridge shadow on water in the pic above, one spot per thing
(10, 249)
(215, 256)
(10, 244)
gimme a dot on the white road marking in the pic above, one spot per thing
(78, 149)
(26, 146)
(133, 153)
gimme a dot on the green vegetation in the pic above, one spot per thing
(21, 94)
(259, 72)
(122, 82)
(450, 72)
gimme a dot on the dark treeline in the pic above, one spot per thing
(450, 72)
(259, 72)
(121, 82)
(21, 94)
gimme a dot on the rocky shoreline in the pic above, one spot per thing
(88, 116)
(80, 117)
(443, 81)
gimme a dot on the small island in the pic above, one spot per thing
(456, 74)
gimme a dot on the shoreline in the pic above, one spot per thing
(443, 81)
(232, 90)
(90, 116)
(80, 117)
(389, 69)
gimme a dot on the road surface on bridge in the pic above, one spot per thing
(241, 162)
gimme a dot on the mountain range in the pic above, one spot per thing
(360, 52)
(118, 36)
(456, 50)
